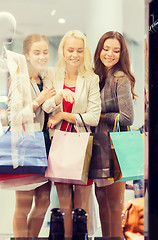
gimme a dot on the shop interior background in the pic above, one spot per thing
(54, 18)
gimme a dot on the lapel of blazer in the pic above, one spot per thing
(78, 90)
(59, 85)
(35, 87)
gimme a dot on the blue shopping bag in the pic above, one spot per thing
(129, 149)
(22, 153)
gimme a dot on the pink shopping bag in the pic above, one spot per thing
(66, 157)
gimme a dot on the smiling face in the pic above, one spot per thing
(73, 52)
(38, 55)
(110, 54)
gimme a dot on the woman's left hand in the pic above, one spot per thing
(54, 120)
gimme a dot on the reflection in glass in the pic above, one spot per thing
(93, 26)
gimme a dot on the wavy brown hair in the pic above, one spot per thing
(123, 63)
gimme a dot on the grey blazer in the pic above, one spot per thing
(87, 94)
(116, 98)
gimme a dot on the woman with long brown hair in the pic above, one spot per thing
(112, 64)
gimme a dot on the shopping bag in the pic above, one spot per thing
(66, 161)
(22, 153)
(117, 174)
(22, 182)
(128, 146)
(101, 160)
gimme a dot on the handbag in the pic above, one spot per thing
(101, 160)
(133, 219)
(22, 153)
(127, 147)
(69, 157)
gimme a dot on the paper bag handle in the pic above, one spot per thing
(83, 122)
(117, 125)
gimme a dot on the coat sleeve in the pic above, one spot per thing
(92, 115)
(125, 104)
(49, 105)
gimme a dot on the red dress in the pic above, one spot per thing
(67, 107)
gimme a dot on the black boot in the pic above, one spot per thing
(79, 224)
(56, 225)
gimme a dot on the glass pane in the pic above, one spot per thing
(93, 18)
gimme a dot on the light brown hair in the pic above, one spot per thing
(30, 39)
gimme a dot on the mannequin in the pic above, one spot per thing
(14, 76)
(8, 27)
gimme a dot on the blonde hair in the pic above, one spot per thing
(84, 68)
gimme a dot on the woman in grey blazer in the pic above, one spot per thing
(77, 91)
(112, 64)
(36, 51)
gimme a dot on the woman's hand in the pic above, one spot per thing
(54, 120)
(66, 94)
(45, 94)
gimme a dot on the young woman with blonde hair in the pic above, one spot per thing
(77, 89)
